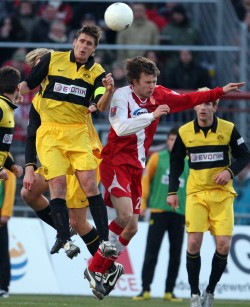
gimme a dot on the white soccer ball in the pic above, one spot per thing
(118, 16)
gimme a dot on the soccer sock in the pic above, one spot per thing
(114, 232)
(100, 216)
(193, 269)
(91, 239)
(60, 217)
(45, 215)
(97, 263)
(120, 245)
(219, 264)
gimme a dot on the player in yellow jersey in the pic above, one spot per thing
(9, 97)
(35, 186)
(72, 82)
(210, 143)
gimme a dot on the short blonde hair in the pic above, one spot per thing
(202, 89)
(34, 55)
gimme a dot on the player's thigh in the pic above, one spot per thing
(221, 213)
(196, 213)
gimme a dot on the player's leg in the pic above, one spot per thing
(35, 199)
(88, 233)
(88, 183)
(60, 214)
(222, 221)
(175, 224)
(4, 261)
(156, 230)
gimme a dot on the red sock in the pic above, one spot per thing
(97, 263)
(123, 241)
(115, 228)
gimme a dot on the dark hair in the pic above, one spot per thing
(9, 79)
(173, 131)
(135, 66)
(91, 30)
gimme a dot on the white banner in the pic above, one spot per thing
(34, 270)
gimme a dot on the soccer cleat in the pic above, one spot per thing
(4, 294)
(108, 249)
(58, 244)
(71, 249)
(110, 279)
(143, 296)
(98, 295)
(169, 296)
(195, 301)
(95, 282)
(208, 299)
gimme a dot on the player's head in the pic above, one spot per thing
(34, 56)
(91, 30)
(85, 42)
(171, 137)
(9, 80)
(205, 111)
(142, 75)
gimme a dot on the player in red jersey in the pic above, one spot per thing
(135, 111)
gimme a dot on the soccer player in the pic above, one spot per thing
(71, 82)
(135, 112)
(210, 143)
(9, 98)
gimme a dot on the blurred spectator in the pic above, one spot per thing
(42, 25)
(241, 8)
(165, 10)
(187, 74)
(57, 32)
(152, 15)
(242, 201)
(247, 20)
(11, 30)
(119, 75)
(179, 31)
(154, 56)
(88, 19)
(64, 10)
(141, 32)
(26, 14)
(18, 61)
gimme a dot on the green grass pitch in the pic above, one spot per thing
(87, 301)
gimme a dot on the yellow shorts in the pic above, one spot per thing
(62, 149)
(75, 197)
(210, 210)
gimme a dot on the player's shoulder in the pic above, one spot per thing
(97, 68)
(123, 91)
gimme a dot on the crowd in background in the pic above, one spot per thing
(56, 22)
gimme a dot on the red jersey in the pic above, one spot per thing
(133, 125)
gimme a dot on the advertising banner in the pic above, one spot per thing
(34, 270)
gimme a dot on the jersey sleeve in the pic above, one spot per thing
(119, 120)
(39, 72)
(240, 153)
(30, 148)
(177, 163)
(180, 102)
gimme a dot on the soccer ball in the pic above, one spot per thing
(118, 16)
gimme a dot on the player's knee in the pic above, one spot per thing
(124, 218)
(223, 245)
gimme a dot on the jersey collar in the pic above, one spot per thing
(8, 101)
(213, 127)
(88, 64)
